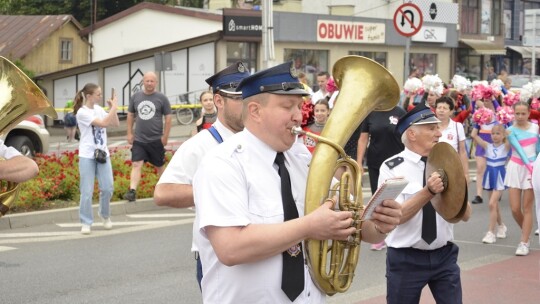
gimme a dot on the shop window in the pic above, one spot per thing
(469, 16)
(481, 17)
(380, 57)
(66, 49)
(243, 51)
(310, 62)
(497, 18)
(423, 63)
(469, 65)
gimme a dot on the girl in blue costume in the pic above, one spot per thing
(496, 157)
(523, 136)
(484, 131)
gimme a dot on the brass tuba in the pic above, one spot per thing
(364, 86)
(20, 97)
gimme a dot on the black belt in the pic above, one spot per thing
(424, 250)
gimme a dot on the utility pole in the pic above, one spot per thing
(268, 34)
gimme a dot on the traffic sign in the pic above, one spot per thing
(408, 19)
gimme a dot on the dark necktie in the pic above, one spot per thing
(429, 221)
(292, 276)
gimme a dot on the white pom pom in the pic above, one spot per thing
(433, 84)
(460, 83)
(412, 85)
(526, 92)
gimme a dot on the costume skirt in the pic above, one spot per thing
(517, 176)
(494, 178)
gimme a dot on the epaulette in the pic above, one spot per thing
(394, 162)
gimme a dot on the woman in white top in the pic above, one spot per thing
(452, 132)
(92, 120)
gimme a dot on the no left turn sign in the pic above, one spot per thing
(408, 19)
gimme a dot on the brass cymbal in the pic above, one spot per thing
(452, 202)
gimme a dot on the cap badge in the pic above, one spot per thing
(294, 72)
(241, 68)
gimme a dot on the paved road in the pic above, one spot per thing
(146, 258)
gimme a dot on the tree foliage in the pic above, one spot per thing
(82, 10)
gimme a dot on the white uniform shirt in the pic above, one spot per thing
(453, 134)
(187, 158)
(409, 234)
(318, 96)
(238, 184)
(8, 152)
(87, 145)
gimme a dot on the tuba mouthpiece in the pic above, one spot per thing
(297, 130)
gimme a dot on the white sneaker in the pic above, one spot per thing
(522, 249)
(489, 238)
(86, 229)
(537, 232)
(107, 224)
(501, 231)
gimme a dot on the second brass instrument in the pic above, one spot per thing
(364, 86)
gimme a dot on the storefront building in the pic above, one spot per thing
(323, 39)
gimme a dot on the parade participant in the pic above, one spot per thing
(321, 112)
(461, 86)
(378, 130)
(413, 91)
(482, 95)
(249, 194)
(452, 132)
(93, 121)
(496, 157)
(433, 89)
(420, 249)
(523, 136)
(174, 188)
(150, 111)
(209, 112)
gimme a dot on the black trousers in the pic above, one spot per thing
(409, 270)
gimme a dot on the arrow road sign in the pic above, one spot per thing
(408, 19)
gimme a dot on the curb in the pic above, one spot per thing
(71, 214)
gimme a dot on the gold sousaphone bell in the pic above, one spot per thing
(451, 204)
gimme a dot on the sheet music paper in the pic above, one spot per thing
(389, 190)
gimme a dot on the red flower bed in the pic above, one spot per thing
(57, 184)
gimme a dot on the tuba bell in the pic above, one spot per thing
(364, 86)
(20, 97)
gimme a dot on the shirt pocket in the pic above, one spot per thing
(410, 190)
(265, 211)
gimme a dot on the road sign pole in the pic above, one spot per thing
(407, 58)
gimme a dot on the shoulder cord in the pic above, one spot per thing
(215, 134)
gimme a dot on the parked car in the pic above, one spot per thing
(29, 136)
(519, 80)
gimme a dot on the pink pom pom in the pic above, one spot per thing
(331, 86)
(511, 98)
(483, 116)
(505, 115)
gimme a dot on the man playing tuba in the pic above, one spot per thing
(250, 192)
